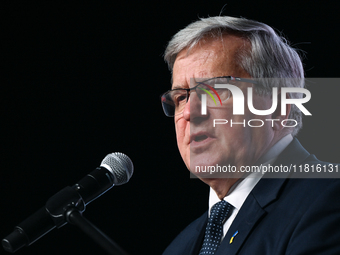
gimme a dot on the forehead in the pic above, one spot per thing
(211, 57)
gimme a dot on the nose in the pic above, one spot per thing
(186, 111)
(192, 109)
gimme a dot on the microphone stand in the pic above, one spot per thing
(67, 206)
(74, 216)
(64, 207)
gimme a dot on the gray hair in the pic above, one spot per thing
(269, 56)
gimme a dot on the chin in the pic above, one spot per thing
(206, 159)
(205, 168)
(213, 165)
(206, 174)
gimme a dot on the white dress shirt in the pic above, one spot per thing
(241, 189)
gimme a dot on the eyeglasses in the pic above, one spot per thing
(174, 101)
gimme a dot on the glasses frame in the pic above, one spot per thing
(229, 78)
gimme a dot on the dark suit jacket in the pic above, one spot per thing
(279, 216)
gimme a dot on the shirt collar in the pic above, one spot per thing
(241, 189)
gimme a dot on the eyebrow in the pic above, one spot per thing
(178, 87)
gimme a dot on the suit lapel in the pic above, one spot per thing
(264, 193)
(197, 239)
(294, 154)
(247, 217)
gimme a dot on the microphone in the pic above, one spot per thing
(115, 169)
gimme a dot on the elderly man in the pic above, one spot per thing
(249, 213)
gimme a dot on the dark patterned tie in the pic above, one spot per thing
(214, 229)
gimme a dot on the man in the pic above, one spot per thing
(255, 213)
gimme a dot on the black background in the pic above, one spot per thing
(83, 80)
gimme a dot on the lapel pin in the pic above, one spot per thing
(232, 238)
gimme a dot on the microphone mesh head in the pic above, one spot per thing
(120, 166)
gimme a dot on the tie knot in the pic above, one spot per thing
(219, 212)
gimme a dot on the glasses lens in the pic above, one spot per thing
(174, 101)
(214, 95)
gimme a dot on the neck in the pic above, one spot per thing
(221, 185)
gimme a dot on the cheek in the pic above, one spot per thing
(180, 126)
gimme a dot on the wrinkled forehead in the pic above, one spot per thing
(211, 57)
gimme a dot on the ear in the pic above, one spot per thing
(277, 113)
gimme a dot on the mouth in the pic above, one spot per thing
(200, 138)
